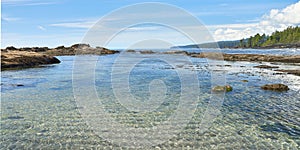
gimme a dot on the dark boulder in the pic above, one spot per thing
(275, 87)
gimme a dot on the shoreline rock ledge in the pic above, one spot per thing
(23, 59)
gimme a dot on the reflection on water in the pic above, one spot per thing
(43, 114)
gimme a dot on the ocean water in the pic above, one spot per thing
(40, 107)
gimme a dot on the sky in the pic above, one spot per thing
(51, 23)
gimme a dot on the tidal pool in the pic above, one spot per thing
(44, 114)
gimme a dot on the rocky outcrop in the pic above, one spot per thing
(226, 88)
(247, 57)
(76, 49)
(275, 87)
(80, 49)
(23, 59)
(12, 57)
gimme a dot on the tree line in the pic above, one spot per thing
(291, 35)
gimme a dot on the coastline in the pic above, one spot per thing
(19, 58)
(28, 57)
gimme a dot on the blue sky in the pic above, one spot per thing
(65, 22)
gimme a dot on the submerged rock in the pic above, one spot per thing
(226, 88)
(266, 66)
(275, 87)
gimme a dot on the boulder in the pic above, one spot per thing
(226, 88)
(275, 87)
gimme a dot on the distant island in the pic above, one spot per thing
(288, 38)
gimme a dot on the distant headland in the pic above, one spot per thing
(288, 38)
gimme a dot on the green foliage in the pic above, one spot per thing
(291, 35)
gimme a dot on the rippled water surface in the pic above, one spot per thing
(38, 109)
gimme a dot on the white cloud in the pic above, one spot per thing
(41, 28)
(80, 23)
(9, 18)
(274, 20)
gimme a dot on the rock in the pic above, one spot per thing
(247, 57)
(147, 52)
(80, 49)
(130, 51)
(23, 59)
(60, 47)
(244, 80)
(76, 49)
(294, 72)
(176, 52)
(226, 88)
(11, 48)
(275, 87)
(265, 66)
(105, 51)
(75, 46)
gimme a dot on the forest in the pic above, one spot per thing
(288, 38)
(291, 35)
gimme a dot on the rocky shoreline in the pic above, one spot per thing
(248, 57)
(15, 58)
(23, 59)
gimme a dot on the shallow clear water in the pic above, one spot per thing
(43, 113)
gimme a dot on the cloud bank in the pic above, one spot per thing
(276, 19)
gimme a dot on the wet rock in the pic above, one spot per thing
(275, 87)
(266, 66)
(244, 80)
(226, 88)
(294, 72)
(247, 57)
